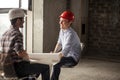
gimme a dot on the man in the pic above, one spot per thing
(16, 57)
(68, 43)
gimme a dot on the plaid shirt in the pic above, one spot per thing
(12, 43)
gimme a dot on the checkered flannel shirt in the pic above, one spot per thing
(12, 42)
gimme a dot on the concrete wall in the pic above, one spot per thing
(45, 25)
(52, 10)
(29, 30)
(80, 9)
(37, 34)
(104, 28)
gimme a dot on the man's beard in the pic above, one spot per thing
(21, 26)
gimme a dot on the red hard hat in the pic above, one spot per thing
(67, 15)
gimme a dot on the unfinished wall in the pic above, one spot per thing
(80, 9)
(29, 32)
(37, 26)
(52, 10)
(104, 28)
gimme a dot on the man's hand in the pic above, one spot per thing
(51, 52)
(60, 55)
(24, 55)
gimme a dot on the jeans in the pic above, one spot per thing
(25, 68)
(65, 61)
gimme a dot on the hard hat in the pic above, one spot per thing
(67, 15)
(15, 13)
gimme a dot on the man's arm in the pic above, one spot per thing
(18, 47)
(58, 47)
(23, 54)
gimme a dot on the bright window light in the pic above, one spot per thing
(24, 4)
(9, 3)
(4, 23)
(4, 20)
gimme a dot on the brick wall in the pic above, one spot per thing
(104, 28)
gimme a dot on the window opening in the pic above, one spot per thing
(5, 6)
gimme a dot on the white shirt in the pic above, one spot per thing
(70, 43)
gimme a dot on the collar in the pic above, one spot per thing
(12, 27)
(65, 30)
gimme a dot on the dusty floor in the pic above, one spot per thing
(89, 69)
(92, 70)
